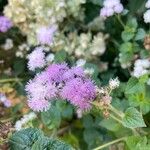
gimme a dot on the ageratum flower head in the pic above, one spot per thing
(45, 35)
(5, 24)
(110, 8)
(36, 59)
(79, 92)
(58, 80)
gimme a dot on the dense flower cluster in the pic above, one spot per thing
(83, 45)
(36, 59)
(5, 24)
(58, 80)
(29, 17)
(141, 67)
(111, 7)
(147, 13)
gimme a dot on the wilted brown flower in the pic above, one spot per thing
(147, 42)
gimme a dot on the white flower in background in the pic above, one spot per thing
(147, 16)
(141, 67)
(24, 47)
(147, 13)
(80, 62)
(19, 54)
(50, 58)
(98, 45)
(89, 71)
(79, 113)
(147, 5)
(8, 44)
(114, 83)
(24, 120)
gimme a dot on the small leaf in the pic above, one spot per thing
(52, 117)
(133, 86)
(133, 118)
(140, 34)
(137, 143)
(23, 140)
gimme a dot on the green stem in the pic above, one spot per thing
(10, 80)
(115, 118)
(117, 112)
(110, 143)
(120, 20)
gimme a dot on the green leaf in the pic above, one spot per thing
(127, 35)
(133, 118)
(52, 117)
(126, 47)
(33, 139)
(50, 144)
(88, 121)
(60, 56)
(133, 86)
(23, 140)
(91, 137)
(132, 23)
(137, 143)
(140, 34)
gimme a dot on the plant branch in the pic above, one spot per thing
(110, 143)
(10, 80)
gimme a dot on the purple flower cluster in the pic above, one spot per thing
(58, 80)
(5, 24)
(36, 59)
(45, 35)
(111, 7)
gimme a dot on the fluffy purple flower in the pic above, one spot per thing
(36, 59)
(59, 80)
(56, 71)
(5, 24)
(40, 91)
(38, 104)
(45, 35)
(79, 92)
(73, 72)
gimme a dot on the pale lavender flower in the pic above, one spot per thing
(118, 8)
(38, 104)
(45, 35)
(6, 102)
(40, 92)
(79, 92)
(36, 59)
(111, 7)
(5, 24)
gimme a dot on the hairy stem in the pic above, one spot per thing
(110, 143)
(120, 20)
(10, 80)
